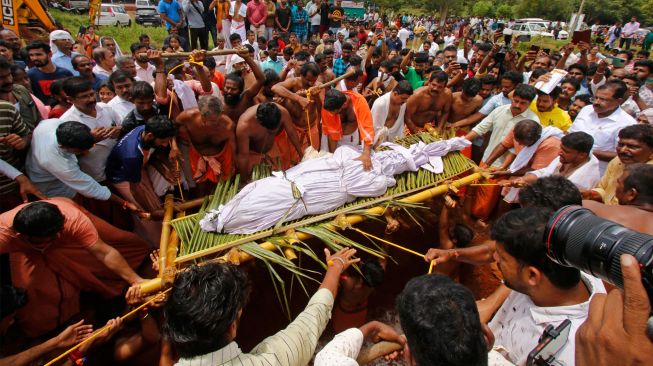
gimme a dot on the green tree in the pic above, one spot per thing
(484, 8)
(504, 11)
(547, 9)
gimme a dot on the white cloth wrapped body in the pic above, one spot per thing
(324, 184)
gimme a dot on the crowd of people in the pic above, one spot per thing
(93, 136)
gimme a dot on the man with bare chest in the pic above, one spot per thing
(346, 116)
(266, 94)
(257, 133)
(430, 104)
(236, 98)
(326, 74)
(389, 110)
(465, 102)
(305, 112)
(212, 139)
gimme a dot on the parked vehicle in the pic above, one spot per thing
(526, 30)
(111, 14)
(147, 16)
(82, 5)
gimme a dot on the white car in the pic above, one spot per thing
(111, 14)
(563, 34)
(525, 31)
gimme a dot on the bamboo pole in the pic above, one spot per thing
(171, 253)
(317, 88)
(190, 204)
(168, 210)
(228, 51)
(155, 284)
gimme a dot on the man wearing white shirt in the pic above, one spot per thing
(449, 39)
(313, 10)
(121, 84)
(105, 62)
(144, 69)
(403, 35)
(628, 33)
(543, 292)
(103, 122)
(603, 120)
(388, 111)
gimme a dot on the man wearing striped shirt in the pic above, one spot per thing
(205, 306)
(14, 138)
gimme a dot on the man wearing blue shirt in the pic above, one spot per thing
(273, 62)
(128, 157)
(63, 51)
(171, 12)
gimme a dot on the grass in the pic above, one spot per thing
(125, 36)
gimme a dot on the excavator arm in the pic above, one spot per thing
(29, 19)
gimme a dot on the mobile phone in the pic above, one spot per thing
(551, 342)
(547, 50)
(618, 62)
(535, 48)
(463, 67)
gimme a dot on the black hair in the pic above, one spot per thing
(237, 79)
(210, 63)
(471, 87)
(485, 46)
(119, 76)
(585, 98)
(537, 73)
(273, 44)
(302, 56)
(4, 64)
(639, 132)
(404, 52)
(40, 219)
(575, 83)
(334, 99)
(403, 87)
(439, 76)
(521, 234)
(619, 88)
(142, 90)
(319, 57)
(640, 178)
(160, 126)
(56, 87)
(372, 272)
(250, 48)
(75, 85)
(143, 36)
(271, 77)
(514, 76)
(579, 141)
(204, 302)
(11, 299)
(463, 235)
(421, 57)
(347, 46)
(645, 63)
(580, 67)
(644, 53)
(234, 37)
(328, 51)
(269, 115)
(288, 51)
(552, 192)
(74, 135)
(355, 60)
(633, 77)
(441, 322)
(525, 91)
(38, 45)
(450, 48)
(527, 130)
(310, 68)
(135, 46)
(487, 79)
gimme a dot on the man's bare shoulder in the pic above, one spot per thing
(188, 115)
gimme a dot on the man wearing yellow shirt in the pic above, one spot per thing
(548, 111)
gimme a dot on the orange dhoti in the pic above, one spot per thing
(212, 168)
(485, 200)
(287, 150)
(467, 152)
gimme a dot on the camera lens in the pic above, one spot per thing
(576, 237)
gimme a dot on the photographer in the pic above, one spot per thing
(544, 292)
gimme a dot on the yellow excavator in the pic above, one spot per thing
(29, 19)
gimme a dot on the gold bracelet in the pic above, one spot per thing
(331, 263)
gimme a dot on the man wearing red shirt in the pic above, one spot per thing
(257, 14)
